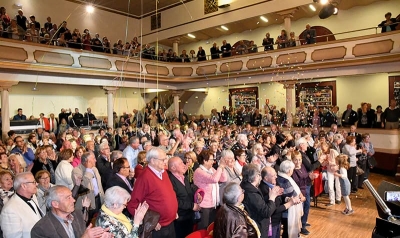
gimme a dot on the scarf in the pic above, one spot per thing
(294, 212)
(51, 171)
(6, 195)
(249, 220)
(215, 187)
(120, 217)
(190, 174)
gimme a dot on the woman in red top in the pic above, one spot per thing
(141, 164)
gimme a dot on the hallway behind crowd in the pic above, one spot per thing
(239, 171)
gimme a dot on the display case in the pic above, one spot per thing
(246, 97)
(321, 94)
(394, 89)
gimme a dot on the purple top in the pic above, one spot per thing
(300, 176)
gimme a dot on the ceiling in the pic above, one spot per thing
(255, 22)
(132, 8)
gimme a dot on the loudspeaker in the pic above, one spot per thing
(326, 11)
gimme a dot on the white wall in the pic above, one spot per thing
(347, 20)
(50, 98)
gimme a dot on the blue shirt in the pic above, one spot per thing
(94, 182)
(131, 154)
(29, 156)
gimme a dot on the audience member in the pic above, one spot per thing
(268, 42)
(310, 35)
(389, 24)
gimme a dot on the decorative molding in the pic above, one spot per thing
(13, 53)
(53, 58)
(373, 48)
(329, 53)
(210, 6)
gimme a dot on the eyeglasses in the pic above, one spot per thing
(45, 178)
(19, 141)
(34, 182)
(125, 167)
(163, 160)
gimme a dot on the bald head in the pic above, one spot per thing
(268, 174)
(176, 165)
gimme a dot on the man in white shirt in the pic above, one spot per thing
(131, 151)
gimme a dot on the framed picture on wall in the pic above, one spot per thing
(322, 94)
(394, 90)
(243, 97)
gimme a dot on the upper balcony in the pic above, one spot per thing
(355, 53)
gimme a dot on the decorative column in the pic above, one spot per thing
(110, 91)
(287, 17)
(5, 87)
(176, 95)
(175, 46)
(290, 102)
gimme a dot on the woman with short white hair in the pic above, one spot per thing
(111, 216)
(292, 219)
(233, 174)
(258, 155)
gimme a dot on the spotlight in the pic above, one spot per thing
(323, 2)
(264, 18)
(191, 36)
(326, 11)
(225, 28)
(336, 11)
(312, 7)
(89, 9)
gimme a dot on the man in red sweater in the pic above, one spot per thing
(154, 187)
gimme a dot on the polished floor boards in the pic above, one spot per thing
(329, 222)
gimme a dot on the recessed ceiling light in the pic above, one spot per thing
(89, 9)
(312, 7)
(323, 2)
(191, 36)
(225, 28)
(336, 11)
(264, 18)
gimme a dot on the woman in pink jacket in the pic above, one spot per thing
(207, 178)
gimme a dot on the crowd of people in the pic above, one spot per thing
(247, 180)
(20, 28)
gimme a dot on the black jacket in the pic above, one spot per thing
(259, 210)
(104, 168)
(279, 204)
(115, 180)
(185, 197)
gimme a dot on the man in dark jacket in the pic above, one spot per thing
(185, 196)
(349, 116)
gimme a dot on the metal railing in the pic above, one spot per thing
(149, 53)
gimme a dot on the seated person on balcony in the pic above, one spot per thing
(241, 49)
(45, 40)
(147, 53)
(192, 56)
(184, 57)
(106, 45)
(268, 42)
(61, 40)
(75, 42)
(389, 24)
(293, 41)
(201, 54)
(310, 35)
(282, 40)
(15, 31)
(226, 49)
(252, 47)
(215, 51)
(19, 116)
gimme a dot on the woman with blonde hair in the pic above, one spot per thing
(329, 156)
(17, 163)
(192, 164)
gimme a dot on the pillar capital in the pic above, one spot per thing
(176, 93)
(176, 39)
(110, 90)
(6, 85)
(288, 13)
(289, 84)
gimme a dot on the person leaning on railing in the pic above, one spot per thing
(268, 42)
(15, 31)
(389, 24)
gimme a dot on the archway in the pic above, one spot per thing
(320, 31)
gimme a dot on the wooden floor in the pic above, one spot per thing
(330, 222)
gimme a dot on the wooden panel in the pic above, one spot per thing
(329, 54)
(13, 53)
(373, 48)
(206, 70)
(153, 69)
(294, 58)
(182, 71)
(259, 63)
(386, 161)
(91, 62)
(127, 66)
(53, 58)
(231, 66)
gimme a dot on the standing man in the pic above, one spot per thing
(53, 124)
(44, 122)
(63, 220)
(131, 151)
(391, 116)
(77, 115)
(226, 49)
(21, 212)
(215, 51)
(64, 114)
(310, 35)
(103, 163)
(201, 54)
(154, 187)
(349, 116)
(19, 116)
(90, 115)
(184, 195)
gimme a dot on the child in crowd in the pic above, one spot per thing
(343, 164)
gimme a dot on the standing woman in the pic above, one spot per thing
(282, 40)
(369, 149)
(78, 154)
(233, 174)
(192, 165)
(64, 169)
(42, 162)
(350, 150)
(207, 178)
(364, 121)
(240, 160)
(329, 156)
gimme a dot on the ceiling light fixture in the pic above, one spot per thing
(89, 9)
(336, 11)
(225, 28)
(323, 2)
(191, 36)
(264, 18)
(312, 7)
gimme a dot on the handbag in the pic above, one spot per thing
(359, 170)
(150, 221)
(372, 161)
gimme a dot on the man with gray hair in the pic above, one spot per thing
(91, 179)
(242, 143)
(103, 163)
(21, 212)
(131, 151)
(63, 220)
(154, 186)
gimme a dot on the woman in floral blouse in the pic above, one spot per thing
(111, 215)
